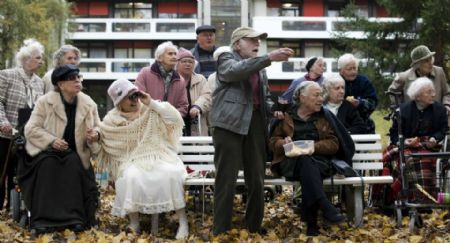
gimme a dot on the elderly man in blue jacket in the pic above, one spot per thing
(241, 105)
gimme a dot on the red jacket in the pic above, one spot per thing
(151, 81)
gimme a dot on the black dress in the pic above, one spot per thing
(57, 190)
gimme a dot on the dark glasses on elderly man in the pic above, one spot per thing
(134, 96)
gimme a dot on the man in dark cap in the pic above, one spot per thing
(422, 60)
(204, 49)
(239, 117)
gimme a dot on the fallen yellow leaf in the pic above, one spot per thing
(415, 238)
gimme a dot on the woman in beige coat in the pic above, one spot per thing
(58, 181)
(199, 95)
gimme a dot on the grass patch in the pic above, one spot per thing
(382, 126)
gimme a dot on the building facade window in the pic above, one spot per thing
(132, 49)
(131, 27)
(88, 27)
(91, 9)
(290, 8)
(294, 45)
(226, 17)
(304, 25)
(334, 7)
(313, 49)
(133, 10)
(92, 49)
(175, 27)
(177, 9)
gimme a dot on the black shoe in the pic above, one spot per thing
(330, 212)
(41, 230)
(262, 231)
(78, 228)
(312, 230)
(335, 218)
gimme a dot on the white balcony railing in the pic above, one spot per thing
(132, 29)
(309, 27)
(114, 68)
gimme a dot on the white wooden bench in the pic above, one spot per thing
(198, 154)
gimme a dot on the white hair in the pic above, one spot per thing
(346, 59)
(163, 48)
(29, 47)
(58, 55)
(417, 86)
(219, 51)
(302, 89)
(329, 82)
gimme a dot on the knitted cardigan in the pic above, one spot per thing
(150, 139)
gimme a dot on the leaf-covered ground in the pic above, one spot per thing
(282, 223)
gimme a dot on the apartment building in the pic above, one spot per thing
(118, 37)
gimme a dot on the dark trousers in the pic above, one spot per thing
(4, 146)
(310, 173)
(232, 151)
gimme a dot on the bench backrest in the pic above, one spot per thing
(198, 152)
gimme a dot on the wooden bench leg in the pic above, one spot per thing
(354, 204)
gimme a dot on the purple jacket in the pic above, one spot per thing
(151, 81)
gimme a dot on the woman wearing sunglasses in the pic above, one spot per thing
(139, 142)
(58, 183)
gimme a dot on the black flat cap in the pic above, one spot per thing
(63, 72)
(204, 28)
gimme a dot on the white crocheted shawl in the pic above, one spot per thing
(151, 138)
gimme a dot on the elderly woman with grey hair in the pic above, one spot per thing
(422, 60)
(66, 54)
(20, 87)
(334, 91)
(307, 120)
(359, 90)
(424, 123)
(161, 80)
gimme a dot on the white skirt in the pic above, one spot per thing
(150, 192)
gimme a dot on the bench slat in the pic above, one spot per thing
(368, 147)
(197, 158)
(355, 137)
(199, 139)
(365, 137)
(197, 149)
(356, 181)
(368, 166)
(201, 167)
(368, 156)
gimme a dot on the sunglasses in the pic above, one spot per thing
(134, 96)
(74, 77)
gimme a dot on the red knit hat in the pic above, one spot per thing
(182, 53)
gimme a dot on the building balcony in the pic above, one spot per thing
(309, 27)
(132, 29)
(114, 68)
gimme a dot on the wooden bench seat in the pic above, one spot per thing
(198, 154)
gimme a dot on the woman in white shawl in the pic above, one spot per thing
(139, 140)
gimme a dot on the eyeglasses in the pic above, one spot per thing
(73, 77)
(187, 61)
(134, 96)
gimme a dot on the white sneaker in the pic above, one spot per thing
(135, 228)
(182, 232)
